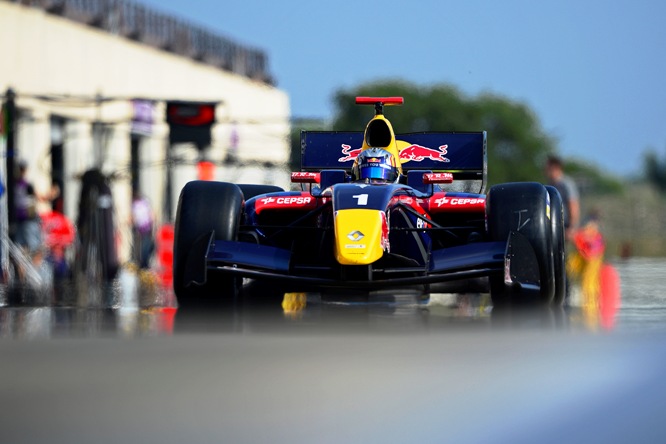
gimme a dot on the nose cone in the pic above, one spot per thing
(360, 236)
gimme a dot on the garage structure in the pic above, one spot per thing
(90, 82)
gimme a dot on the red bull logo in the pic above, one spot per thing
(417, 153)
(349, 153)
(413, 153)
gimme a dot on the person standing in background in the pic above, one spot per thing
(571, 206)
(569, 192)
(143, 223)
(234, 139)
(586, 260)
(28, 233)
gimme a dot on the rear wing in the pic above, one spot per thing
(463, 154)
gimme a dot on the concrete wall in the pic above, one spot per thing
(58, 67)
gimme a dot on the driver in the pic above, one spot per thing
(375, 165)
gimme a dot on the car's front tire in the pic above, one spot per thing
(522, 207)
(205, 206)
(557, 233)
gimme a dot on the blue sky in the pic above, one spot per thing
(593, 71)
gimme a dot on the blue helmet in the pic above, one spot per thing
(375, 164)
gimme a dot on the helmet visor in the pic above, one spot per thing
(377, 171)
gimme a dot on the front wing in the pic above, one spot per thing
(515, 259)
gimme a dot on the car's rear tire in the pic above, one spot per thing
(522, 207)
(557, 226)
(205, 206)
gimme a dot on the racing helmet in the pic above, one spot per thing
(375, 165)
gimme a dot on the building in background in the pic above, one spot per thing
(92, 80)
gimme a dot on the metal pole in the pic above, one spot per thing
(135, 141)
(8, 222)
(168, 192)
(10, 109)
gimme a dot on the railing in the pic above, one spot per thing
(140, 23)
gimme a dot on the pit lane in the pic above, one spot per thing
(399, 369)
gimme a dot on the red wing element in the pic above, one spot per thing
(383, 100)
(304, 177)
(437, 178)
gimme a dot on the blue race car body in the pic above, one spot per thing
(435, 225)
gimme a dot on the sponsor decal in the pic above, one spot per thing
(412, 153)
(355, 236)
(441, 201)
(418, 153)
(286, 202)
(437, 178)
(349, 154)
(459, 201)
(298, 200)
(359, 246)
(304, 177)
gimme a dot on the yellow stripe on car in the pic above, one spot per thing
(359, 236)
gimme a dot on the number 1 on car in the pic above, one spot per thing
(362, 199)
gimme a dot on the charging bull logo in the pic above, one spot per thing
(415, 153)
(349, 153)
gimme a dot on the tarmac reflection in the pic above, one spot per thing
(131, 307)
(136, 305)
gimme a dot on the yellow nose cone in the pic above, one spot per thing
(360, 236)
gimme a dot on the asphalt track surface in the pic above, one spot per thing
(402, 371)
(460, 386)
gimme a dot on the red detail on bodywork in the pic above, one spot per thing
(385, 234)
(304, 177)
(417, 153)
(440, 202)
(415, 204)
(437, 178)
(384, 100)
(349, 153)
(303, 201)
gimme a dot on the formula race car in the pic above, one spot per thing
(375, 210)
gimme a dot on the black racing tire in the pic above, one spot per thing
(522, 207)
(557, 233)
(253, 190)
(204, 206)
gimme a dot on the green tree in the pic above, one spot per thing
(655, 170)
(517, 145)
(591, 180)
(298, 125)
